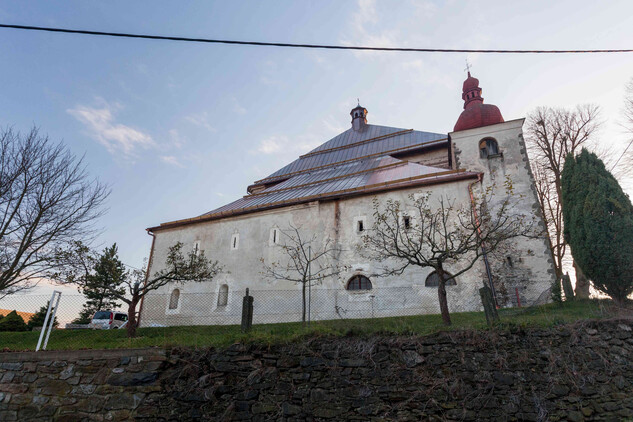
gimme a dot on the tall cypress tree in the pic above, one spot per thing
(598, 219)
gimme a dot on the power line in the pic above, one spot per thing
(319, 46)
(622, 155)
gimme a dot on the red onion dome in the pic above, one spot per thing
(476, 113)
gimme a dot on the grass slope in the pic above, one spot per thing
(198, 336)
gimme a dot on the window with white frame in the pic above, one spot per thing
(433, 280)
(358, 282)
(174, 299)
(223, 295)
(235, 241)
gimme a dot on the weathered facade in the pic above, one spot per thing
(329, 191)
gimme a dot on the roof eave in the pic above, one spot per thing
(395, 185)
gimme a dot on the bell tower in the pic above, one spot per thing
(483, 142)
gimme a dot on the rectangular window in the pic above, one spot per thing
(235, 241)
(273, 238)
(360, 225)
(196, 248)
(407, 222)
(223, 295)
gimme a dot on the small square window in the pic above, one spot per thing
(235, 241)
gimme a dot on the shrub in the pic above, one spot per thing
(12, 322)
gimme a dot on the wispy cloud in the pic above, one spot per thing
(420, 71)
(269, 73)
(237, 108)
(272, 144)
(286, 147)
(333, 126)
(364, 29)
(119, 139)
(177, 141)
(202, 120)
(371, 27)
(171, 160)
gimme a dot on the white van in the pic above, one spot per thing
(107, 320)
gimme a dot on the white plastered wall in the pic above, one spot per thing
(532, 271)
(280, 301)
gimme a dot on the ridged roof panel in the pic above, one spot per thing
(353, 144)
(351, 163)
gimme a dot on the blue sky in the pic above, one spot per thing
(178, 129)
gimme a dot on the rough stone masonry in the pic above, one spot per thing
(575, 372)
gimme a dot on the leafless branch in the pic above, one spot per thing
(442, 233)
(47, 202)
(304, 260)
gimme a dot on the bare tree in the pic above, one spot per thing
(440, 233)
(132, 287)
(628, 127)
(306, 261)
(47, 201)
(552, 134)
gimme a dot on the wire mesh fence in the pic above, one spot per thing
(282, 306)
(179, 317)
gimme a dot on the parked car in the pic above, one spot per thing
(108, 320)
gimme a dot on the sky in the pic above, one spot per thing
(178, 129)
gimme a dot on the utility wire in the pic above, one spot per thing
(320, 46)
(622, 155)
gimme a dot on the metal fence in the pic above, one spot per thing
(170, 314)
(281, 306)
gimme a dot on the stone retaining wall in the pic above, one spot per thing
(78, 385)
(578, 372)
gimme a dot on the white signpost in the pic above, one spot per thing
(46, 320)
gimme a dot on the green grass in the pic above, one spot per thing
(198, 336)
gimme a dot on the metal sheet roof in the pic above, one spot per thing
(353, 145)
(351, 163)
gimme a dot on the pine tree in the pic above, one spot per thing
(103, 284)
(37, 320)
(598, 220)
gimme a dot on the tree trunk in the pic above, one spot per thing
(582, 284)
(131, 315)
(441, 295)
(303, 297)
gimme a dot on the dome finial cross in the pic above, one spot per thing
(468, 66)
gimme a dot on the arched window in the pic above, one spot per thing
(433, 280)
(488, 147)
(223, 295)
(174, 298)
(359, 282)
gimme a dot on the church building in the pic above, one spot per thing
(328, 192)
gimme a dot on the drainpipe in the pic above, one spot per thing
(483, 248)
(149, 265)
